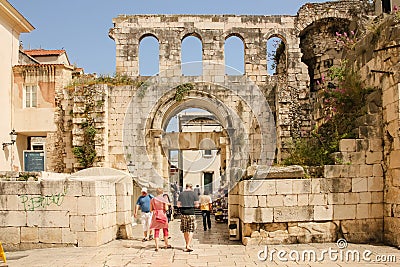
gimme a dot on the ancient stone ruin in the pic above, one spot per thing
(356, 198)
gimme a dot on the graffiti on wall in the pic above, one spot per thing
(32, 203)
(106, 202)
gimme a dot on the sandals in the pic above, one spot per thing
(145, 239)
(169, 246)
(156, 249)
(188, 250)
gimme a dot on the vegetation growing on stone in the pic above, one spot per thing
(276, 57)
(344, 98)
(115, 80)
(182, 90)
(86, 153)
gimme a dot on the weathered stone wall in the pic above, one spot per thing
(90, 104)
(77, 105)
(377, 59)
(358, 198)
(347, 202)
(318, 29)
(119, 99)
(287, 96)
(62, 212)
(288, 92)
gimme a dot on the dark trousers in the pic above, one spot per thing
(206, 219)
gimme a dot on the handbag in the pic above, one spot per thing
(160, 216)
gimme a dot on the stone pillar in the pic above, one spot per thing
(170, 53)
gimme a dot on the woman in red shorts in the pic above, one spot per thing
(159, 220)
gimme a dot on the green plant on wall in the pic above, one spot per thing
(396, 13)
(276, 56)
(307, 152)
(181, 90)
(86, 154)
(343, 102)
(114, 80)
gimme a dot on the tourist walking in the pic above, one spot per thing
(170, 209)
(187, 201)
(143, 203)
(158, 207)
(206, 208)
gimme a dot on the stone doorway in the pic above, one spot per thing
(198, 150)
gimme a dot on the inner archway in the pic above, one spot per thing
(200, 164)
(197, 146)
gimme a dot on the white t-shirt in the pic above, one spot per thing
(204, 202)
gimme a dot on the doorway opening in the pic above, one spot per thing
(208, 182)
(197, 159)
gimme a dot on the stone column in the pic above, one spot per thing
(170, 53)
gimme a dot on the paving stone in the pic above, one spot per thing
(211, 248)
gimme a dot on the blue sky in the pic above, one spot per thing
(81, 27)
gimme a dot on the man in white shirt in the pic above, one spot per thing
(206, 208)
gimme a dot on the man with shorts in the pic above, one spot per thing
(187, 201)
(143, 203)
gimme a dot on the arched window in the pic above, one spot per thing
(192, 56)
(149, 56)
(234, 56)
(276, 56)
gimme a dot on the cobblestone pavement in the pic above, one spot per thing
(211, 248)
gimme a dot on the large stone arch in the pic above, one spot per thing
(155, 103)
(167, 107)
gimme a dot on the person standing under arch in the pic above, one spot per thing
(206, 208)
(188, 200)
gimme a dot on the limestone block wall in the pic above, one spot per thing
(75, 106)
(391, 115)
(376, 57)
(358, 199)
(344, 203)
(118, 100)
(63, 212)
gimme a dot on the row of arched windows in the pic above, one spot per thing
(192, 56)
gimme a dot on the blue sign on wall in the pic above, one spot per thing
(33, 161)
